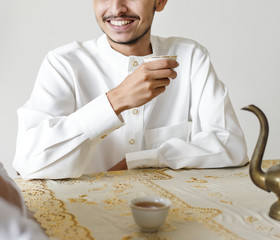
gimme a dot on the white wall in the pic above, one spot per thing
(243, 38)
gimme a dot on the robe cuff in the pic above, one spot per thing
(142, 159)
(97, 118)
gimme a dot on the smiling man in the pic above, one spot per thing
(99, 105)
(127, 23)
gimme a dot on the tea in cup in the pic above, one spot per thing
(150, 212)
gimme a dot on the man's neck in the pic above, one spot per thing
(140, 48)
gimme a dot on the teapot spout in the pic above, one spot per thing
(256, 173)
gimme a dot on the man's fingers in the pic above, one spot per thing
(164, 82)
(163, 73)
(159, 90)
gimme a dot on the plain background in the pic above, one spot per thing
(243, 38)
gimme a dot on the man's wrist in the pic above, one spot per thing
(119, 166)
(115, 102)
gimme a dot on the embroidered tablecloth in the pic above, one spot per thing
(206, 204)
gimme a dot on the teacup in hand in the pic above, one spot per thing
(153, 58)
(149, 212)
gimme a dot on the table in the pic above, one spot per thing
(206, 204)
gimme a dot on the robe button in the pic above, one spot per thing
(135, 63)
(131, 141)
(135, 111)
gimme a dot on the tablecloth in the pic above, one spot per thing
(206, 204)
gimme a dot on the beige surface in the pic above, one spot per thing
(206, 204)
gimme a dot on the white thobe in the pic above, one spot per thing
(14, 226)
(68, 127)
(14, 223)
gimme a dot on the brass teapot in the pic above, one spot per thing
(269, 180)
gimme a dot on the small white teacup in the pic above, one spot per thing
(153, 58)
(150, 212)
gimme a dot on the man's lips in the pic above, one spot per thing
(120, 21)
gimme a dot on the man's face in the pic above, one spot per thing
(124, 21)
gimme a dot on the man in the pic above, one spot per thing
(14, 223)
(98, 106)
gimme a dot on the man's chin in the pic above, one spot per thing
(128, 40)
(123, 41)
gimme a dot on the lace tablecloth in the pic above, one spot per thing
(206, 204)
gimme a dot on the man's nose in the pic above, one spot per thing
(118, 7)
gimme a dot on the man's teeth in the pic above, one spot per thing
(120, 23)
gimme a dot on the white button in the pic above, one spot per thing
(135, 111)
(131, 141)
(135, 63)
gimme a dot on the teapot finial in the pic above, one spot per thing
(270, 180)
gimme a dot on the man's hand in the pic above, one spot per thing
(119, 166)
(145, 83)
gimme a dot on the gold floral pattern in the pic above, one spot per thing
(51, 213)
(268, 163)
(81, 199)
(109, 193)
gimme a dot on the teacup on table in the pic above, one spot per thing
(150, 212)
